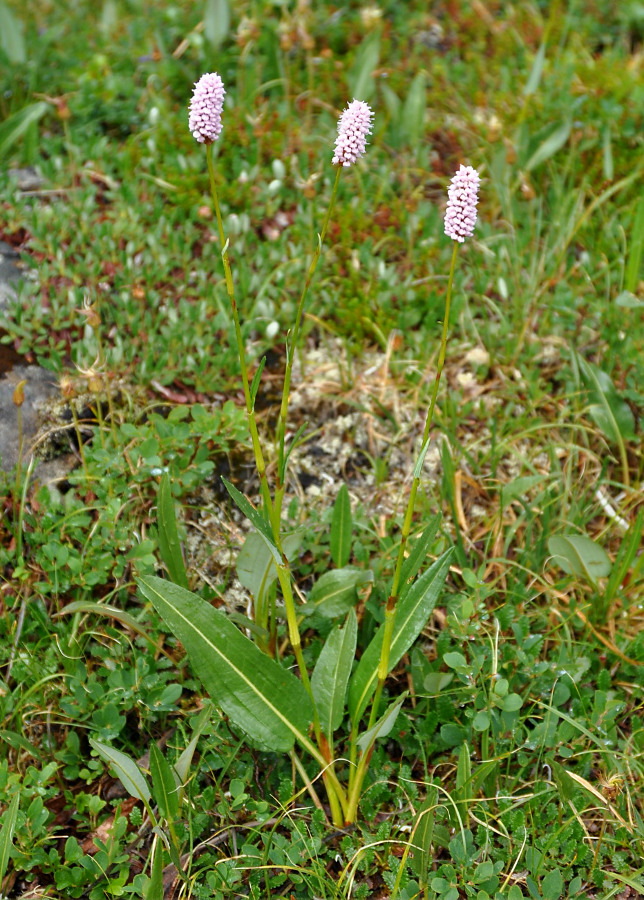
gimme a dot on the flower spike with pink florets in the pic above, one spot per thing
(353, 128)
(206, 107)
(460, 215)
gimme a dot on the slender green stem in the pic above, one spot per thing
(250, 406)
(390, 610)
(108, 390)
(292, 345)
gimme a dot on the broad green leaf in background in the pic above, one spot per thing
(216, 21)
(331, 674)
(263, 699)
(635, 248)
(256, 518)
(255, 562)
(12, 42)
(164, 786)
(13, 128)
(413, 111)
(534, 79)
(411, 617)
(382, 727)
(340, 536)
(360, 77)
(627, 300)
(126, 770)
(553, 141)
(9, 820)
(335, 592)
(578, 555)
(169, 544)
(607, 409)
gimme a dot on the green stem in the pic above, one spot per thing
(390, 610)
(250, 407)
(291, 347)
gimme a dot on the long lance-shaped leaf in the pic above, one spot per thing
(6, 833)
(169, 544)
(266, 701)
(331, 674)
(127, 771)
(411, 616)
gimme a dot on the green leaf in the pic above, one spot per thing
(635, 248)
(127, 771)
(423, 835)
(331, 674)
(334, 593)
(411, 617)
(382, 727)
(340, 537)
(12, 42)
(263, 699)
(103, 609)
(181, 767)
(515, 489)
(256, 380)
(256, 518)
(552, 885)
(18, 742)
(216, 21)
(9, 820)
(413, 111)
(554, 141)
(169, 544)
(163, 784)
(154, 889)
(463, 785)
(607, 409)
(534, 79)
(625, 556)
(418, 555)
(627, 300)
(13, 128)
(565, 785)
(578, 555)
(361, 82)
(481, 721)
(255, 562)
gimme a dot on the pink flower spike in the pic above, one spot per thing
(353, 128)
(463, 195)
(205, 108)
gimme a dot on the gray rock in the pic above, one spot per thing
(10, 273)
(40, 390)
(28, 178)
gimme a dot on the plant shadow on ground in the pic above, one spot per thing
(515, 769)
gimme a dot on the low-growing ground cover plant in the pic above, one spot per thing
(513, 767)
